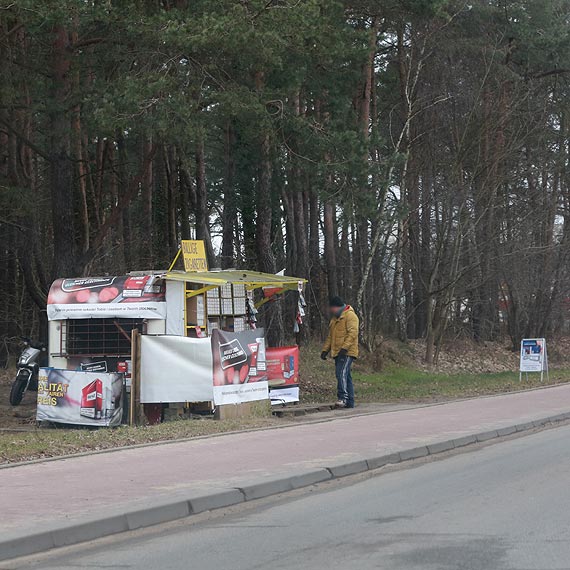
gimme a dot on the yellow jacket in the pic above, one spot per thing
(343, 333)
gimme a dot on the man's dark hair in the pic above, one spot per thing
(336, 302)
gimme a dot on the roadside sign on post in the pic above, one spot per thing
(533, 357)
(194, 255)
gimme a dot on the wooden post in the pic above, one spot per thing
(135, 377)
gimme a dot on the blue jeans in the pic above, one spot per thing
(345, 389)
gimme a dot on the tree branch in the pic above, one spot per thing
(116, 212)
(25, 140)
(550, 72)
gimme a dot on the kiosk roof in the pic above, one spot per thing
(251, 279)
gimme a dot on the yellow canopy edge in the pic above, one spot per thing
(251, 279)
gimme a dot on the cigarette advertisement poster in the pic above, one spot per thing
(283, 374)
(80, 398)
(239, 367)
(533, 355)
(141, 296)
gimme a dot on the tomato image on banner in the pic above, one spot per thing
(102, 297)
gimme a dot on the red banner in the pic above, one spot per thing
(283, 373)
(141, 296)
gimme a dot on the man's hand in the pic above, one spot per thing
(343, 352)
(324, 355)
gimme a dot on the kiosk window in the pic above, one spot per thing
(98, 337)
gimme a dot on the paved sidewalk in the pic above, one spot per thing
(40, 495)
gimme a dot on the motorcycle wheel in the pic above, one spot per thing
(18, 389)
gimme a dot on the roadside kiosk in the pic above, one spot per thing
(93, 320)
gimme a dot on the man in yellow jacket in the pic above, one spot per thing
(342, 344)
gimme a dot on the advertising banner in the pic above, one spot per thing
(124, 296)
(239, 367)
(99, 366)
(79, 397)
(283, 374)
(175, 369)
(533, 357)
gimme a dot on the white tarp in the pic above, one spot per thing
(175, 299)
(176, 369)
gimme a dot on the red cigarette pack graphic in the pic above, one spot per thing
(283, 365)
(144, 287)
(92, 400)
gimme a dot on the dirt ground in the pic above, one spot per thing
(15, 418)
(467, 356)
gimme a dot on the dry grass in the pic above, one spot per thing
(42, 443)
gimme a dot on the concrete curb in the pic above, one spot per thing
(171, 509)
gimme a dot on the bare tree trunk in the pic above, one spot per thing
(330, 249)
(61, 175)
(118, 231)
(315, 272)
(186, 202)
(169, 159)
(146, 255)
(265, 259)
(398, 300)
(302, 258)
(229, 211)
(202, 210)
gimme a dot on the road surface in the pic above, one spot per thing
(502, 507)
(64, 492)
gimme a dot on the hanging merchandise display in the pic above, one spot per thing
(301, 304)
(251, 311)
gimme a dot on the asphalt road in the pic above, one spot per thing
(502, 507)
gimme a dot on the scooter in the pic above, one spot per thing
(28, 369)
